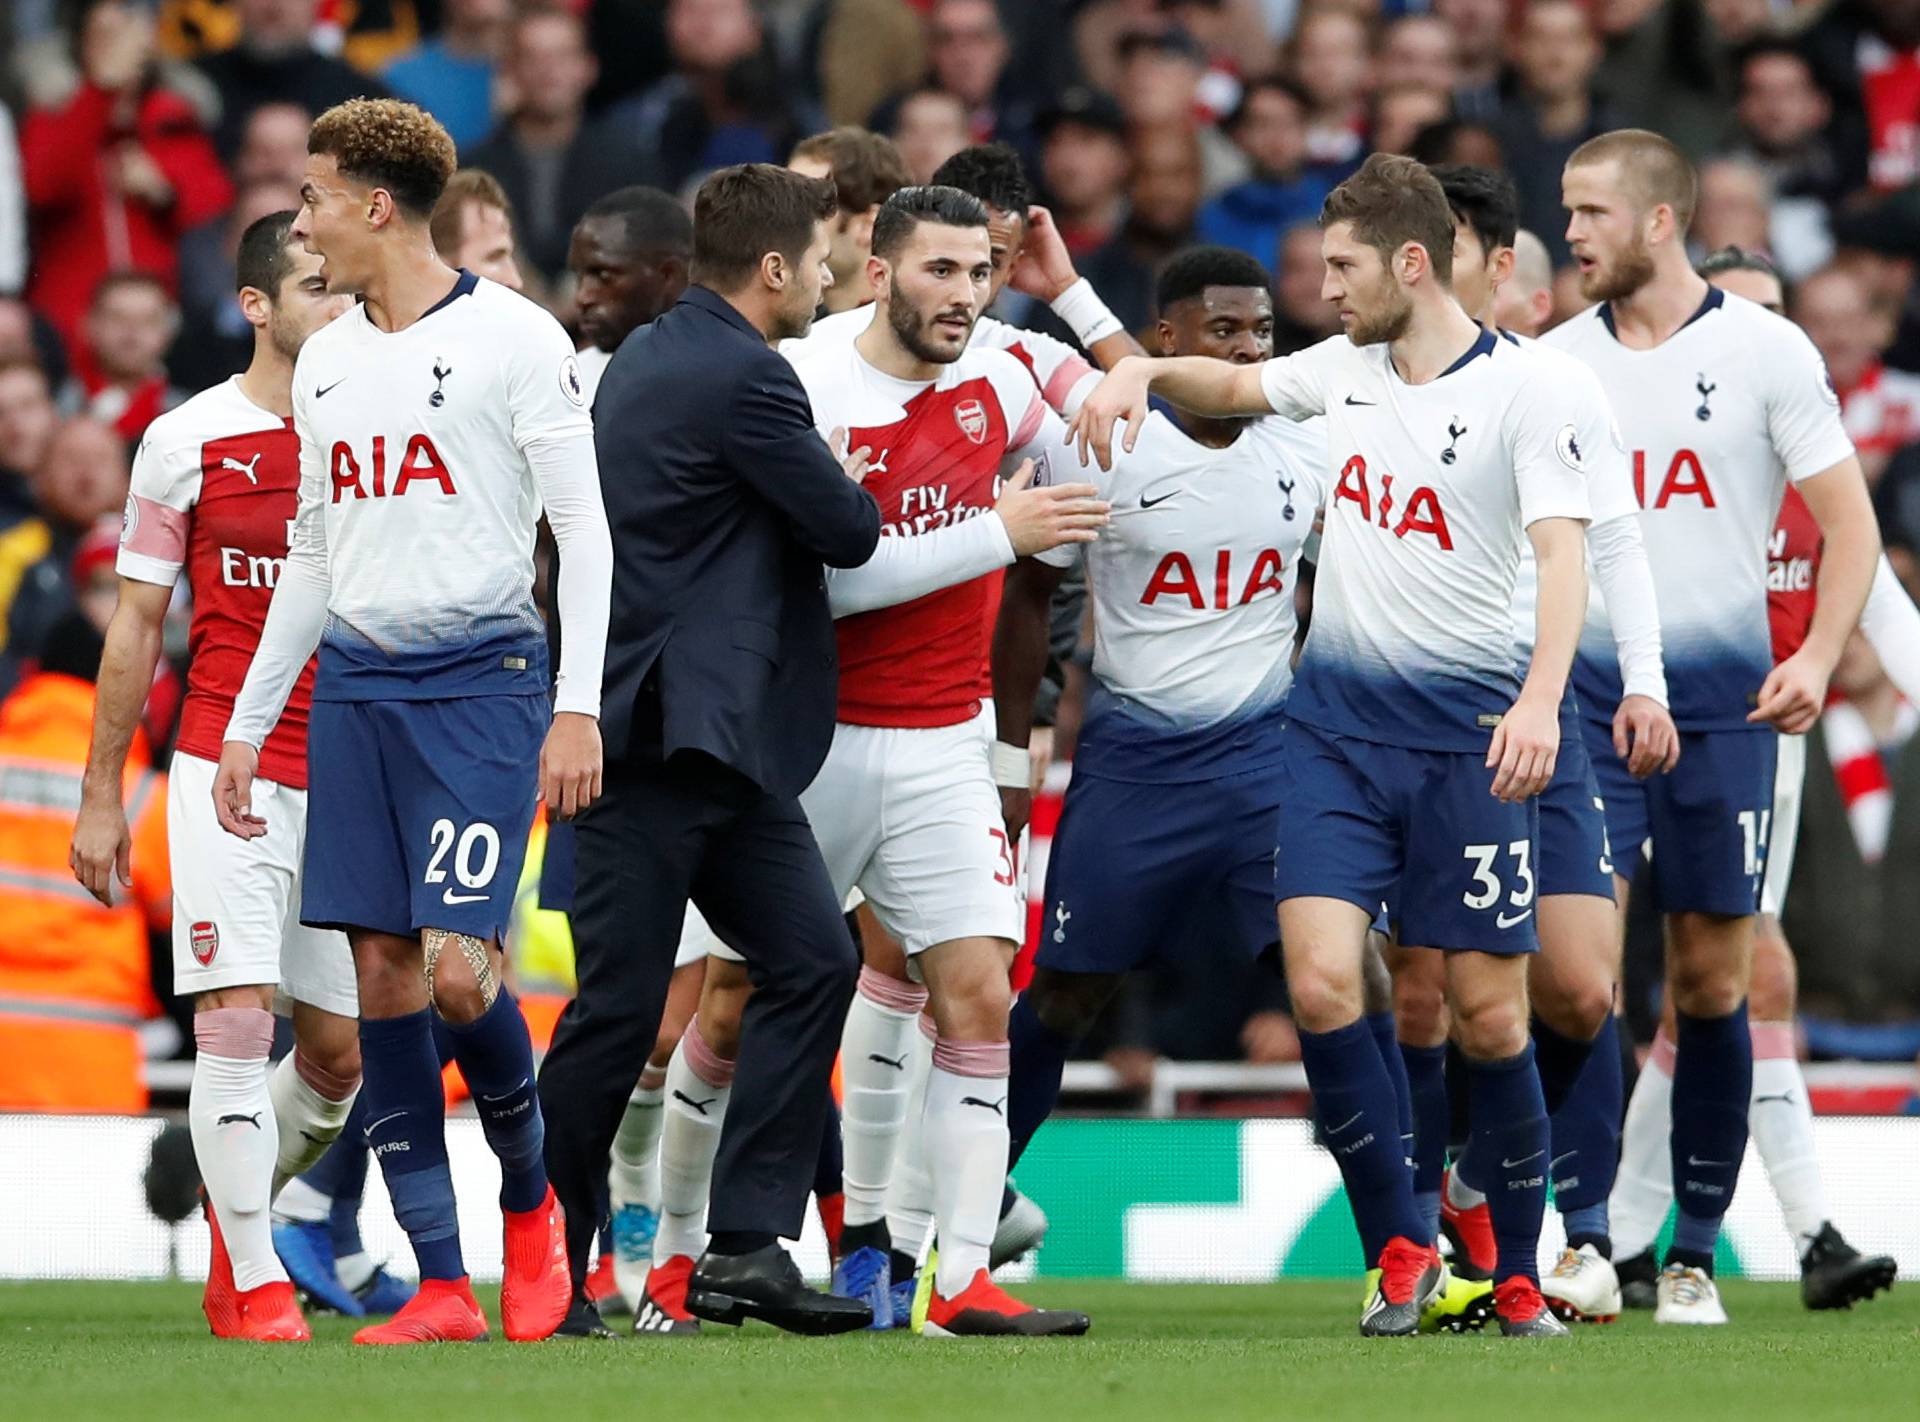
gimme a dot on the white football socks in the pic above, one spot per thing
(699, 1084)
(1780, 1120)
(966, 1154)
(1643, 1189)
(875, 1056)
(230, 1114)
(310, 1106)
(910, 1195)
(633, 1175)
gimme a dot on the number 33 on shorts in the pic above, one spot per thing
(1487, 886)
(475, 852)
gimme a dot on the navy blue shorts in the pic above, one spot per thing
(1708, 818)
(1420, 830)
(418, 812)
(1131, 863)
(1574, 854)
(556, 867)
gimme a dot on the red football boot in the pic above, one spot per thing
(444, 1311)
(984, 1310)
(1523, 1312)
(1470, 1232)
(538, 1284)
(271, 1314)
(603, 1292)
(663, 1306)
(220, 1301)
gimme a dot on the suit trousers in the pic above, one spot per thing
(661, 834)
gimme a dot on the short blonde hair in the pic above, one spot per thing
(469, 185)
(1653, 169)
(388, 144)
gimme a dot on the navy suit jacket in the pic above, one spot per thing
(724, 504)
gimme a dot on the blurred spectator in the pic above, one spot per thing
(1160, 77)
(725, 103)
(1419, 52)
(552, 163)
(1084, 168)
(1401, 114)
(1896, 502)
(1854, 890)
(1735, 208)
(1523, 303)
(868, 51)
(75, 974)
(367, 34)
(274, 61)
(1456, 140)
(119, 369)
(1737, 23)
(1301, 315)
(1232, 35)
(13, 210)
(116, 169)
(968, 49)
(27, 420)
(1880, 407)
(1552, 112)
(1567, 298)
(472, 227)
(1165, 194)
(1480, 52)
(273, 146)
(866, 170)
(1666, 69)
(1271, 129)
(1333, 65)
(930, 126)
(81, 479)
(1782, 114)
(1866, 54)
(452, 73)
(27, 335)
(215, 340)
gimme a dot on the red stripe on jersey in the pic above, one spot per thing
(1064, 378)
(1793, 566)
(236, 547)
(919, 664)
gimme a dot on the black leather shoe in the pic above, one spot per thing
(583, 1321)
(766, 1284)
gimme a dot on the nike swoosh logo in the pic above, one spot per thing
(1506, 1164)
(1336, 1130)
(1352, 401)
(450, 898)
(373, 1126)
(317, 1140)
(1509, 920)
(1147, 503)
(321, 391)
(507, 1096)
(1558, 1158)
(1697, 1163)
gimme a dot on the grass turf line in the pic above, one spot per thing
(140, 1351)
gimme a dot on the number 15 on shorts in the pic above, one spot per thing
(476, 859)
(1487, 887)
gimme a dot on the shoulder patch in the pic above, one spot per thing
(571, 385)
(1566, 444)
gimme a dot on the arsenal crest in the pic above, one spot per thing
(971, 416)
(204, 939)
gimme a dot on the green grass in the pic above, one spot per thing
(77, 1352)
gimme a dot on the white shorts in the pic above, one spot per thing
(236, 902)
(910, 817)
(698, 941)
(1789, 781)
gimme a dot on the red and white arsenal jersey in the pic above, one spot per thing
(216, 484)
(939, 450)
(1793, 565)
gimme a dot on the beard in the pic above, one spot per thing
(1388, 324)
(794, 318)
(915, 332)
(285, 336)
(1630, 271)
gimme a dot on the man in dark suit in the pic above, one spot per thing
(718, 709)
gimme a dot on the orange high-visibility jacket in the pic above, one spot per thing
(74, 981)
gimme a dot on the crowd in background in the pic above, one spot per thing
(137, 141)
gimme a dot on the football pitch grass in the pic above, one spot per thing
(79, 1352)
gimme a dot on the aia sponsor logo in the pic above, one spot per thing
(204, 939)
(971, 416)
(419, 464)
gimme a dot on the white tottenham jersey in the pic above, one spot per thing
(1063, 375)
(1432, 487)
(425, 457)
(1716, 419)
(593, 363)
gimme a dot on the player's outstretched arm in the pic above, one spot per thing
(1643, 731)
(1892, 625)
(102, 848)
(1795, 691)
(1197, 383)
(1020, 644)
(1526, 743)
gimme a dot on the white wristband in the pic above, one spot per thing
(1012, 766)
(1086, 314)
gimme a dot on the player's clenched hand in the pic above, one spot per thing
(570, 765)
(1644, 737)
(1016, 808)
(1039, 519)
(1120, 396)
(1044, 268)
(856, 464)
(102, 848)
(233, 790)
(1525, 746)
(1792, 694)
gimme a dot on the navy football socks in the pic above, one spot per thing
(1038, 1057)
(495, 1055)
(1359, 1116)
(1509, 1146)
(1586, 1133)
(1712, 1084)
(1426, 1070)
(407, 1129)
(1387, 1041)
